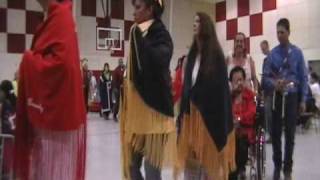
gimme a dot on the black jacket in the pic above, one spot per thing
(151, 56)
(211, 96)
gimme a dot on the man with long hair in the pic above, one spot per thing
(240, 57)
(50, 134)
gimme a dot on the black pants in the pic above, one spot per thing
(86, 97)
(151, 172)
(117, 93)
(289, 123)
(242, 146)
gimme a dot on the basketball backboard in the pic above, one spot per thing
(109, 39)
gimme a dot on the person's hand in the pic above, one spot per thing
(236, 89)
(233, 87)
(236, 121)
(302, 107)
(277, 85)
(280, 84)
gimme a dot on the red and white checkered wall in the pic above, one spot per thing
(257, 20)
(246, 16)
(19, 19)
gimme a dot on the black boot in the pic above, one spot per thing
(115, 118)
(276, 174)
(287, 175)
(106, 116)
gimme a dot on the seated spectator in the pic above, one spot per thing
(315, 88)
(244, 111)
(7, 107)
(7, 120)
(312, 102)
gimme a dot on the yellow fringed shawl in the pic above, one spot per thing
(195, 143)
(144, 130)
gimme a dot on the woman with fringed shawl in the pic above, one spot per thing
(206, 138)
(147, 125)
(50, 132)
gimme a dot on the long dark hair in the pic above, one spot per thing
(315, 77)
(211, 51)
(7, 88)
(104, 67)
(180, 62)
(158, 8)
(235, 70)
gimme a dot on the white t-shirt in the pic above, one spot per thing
(315, 89)
(195, 70)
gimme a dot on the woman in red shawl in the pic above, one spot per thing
(51, 119)
(244, 112)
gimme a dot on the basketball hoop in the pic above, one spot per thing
(109, 39)
(110, 49)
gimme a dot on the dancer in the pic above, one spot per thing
(86, 81)
(206, 136)
(105, 91)
(147, 125)
(51, 119)
(117, 88)
(285, 74)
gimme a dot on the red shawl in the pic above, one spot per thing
(50, 89)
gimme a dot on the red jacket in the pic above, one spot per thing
(117, 77)
(246, 110)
